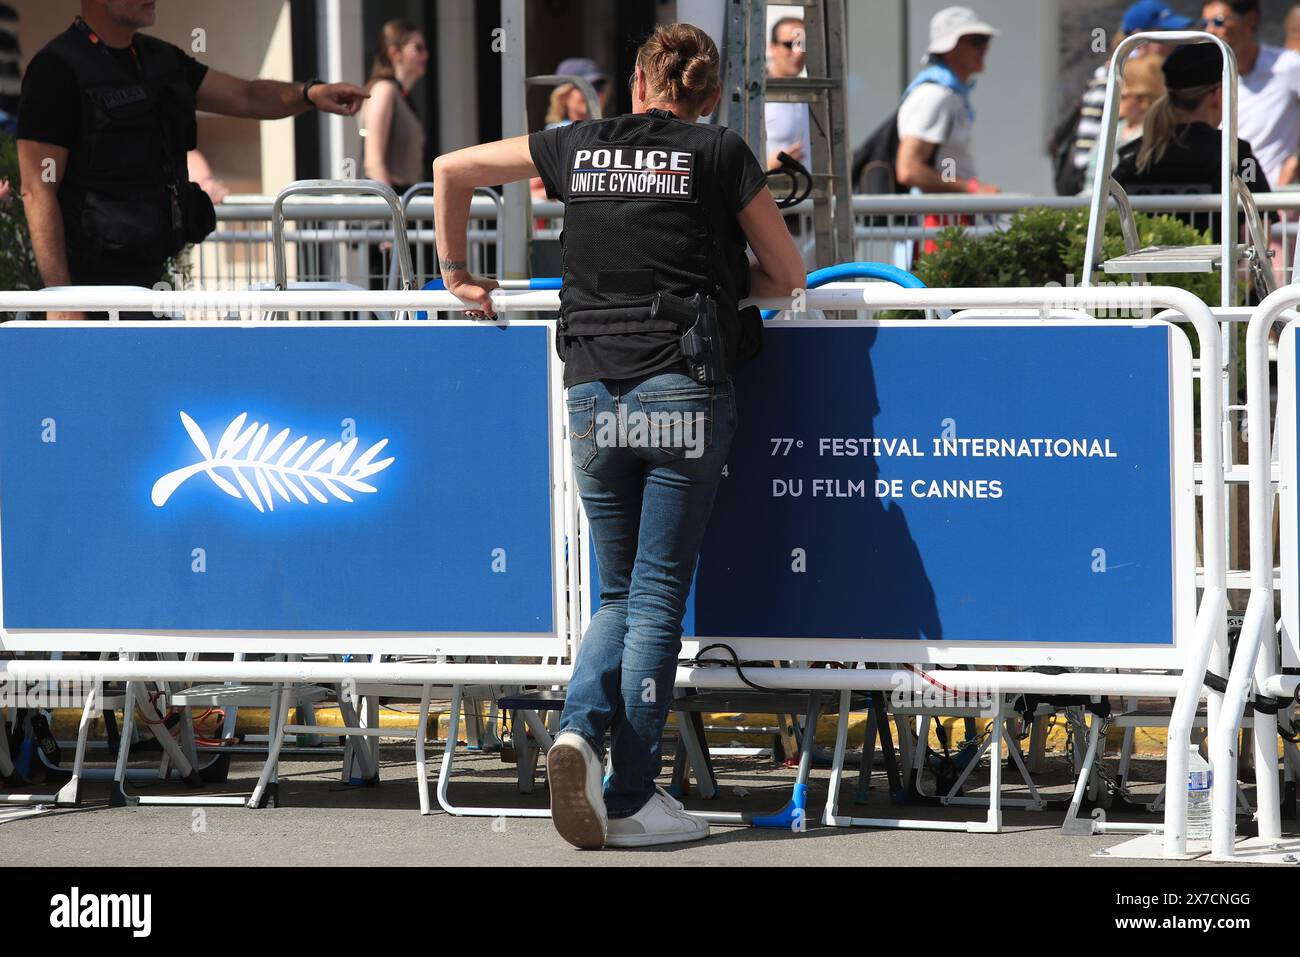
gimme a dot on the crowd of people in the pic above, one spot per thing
(927, 144)
(1169, 110)
(1171, 104)
(1168, 114)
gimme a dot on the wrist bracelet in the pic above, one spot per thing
(306, 90)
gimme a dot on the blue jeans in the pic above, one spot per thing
(648, 455)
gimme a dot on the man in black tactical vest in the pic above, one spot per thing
(106, 118)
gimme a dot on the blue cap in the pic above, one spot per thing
(1149, 15)
(586, 68)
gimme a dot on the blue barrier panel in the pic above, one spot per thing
(397, 479)
(865, 513)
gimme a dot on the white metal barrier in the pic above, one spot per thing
(1209, 630)
(1257, 663)
(238, 253)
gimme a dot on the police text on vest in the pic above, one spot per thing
(625, 172)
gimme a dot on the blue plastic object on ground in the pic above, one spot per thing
(790, 817)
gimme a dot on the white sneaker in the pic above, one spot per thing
(661, 821)
(576, 782)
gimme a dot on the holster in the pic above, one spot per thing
(701, 344)
(695, 320)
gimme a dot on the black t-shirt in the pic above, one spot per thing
(50, 109)
(635, 354)
(1190, 164)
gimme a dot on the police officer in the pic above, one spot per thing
(106, 118)
(658, 210)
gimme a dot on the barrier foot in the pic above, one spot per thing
(1077, 827)
(1263, 850)
(1151, 847)
(194, 780)
(791, 816)
(117, 797)
(1288, 801)
(270, 796)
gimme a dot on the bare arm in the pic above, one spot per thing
(915, 157)
(379, 124)
(201, 172)
(780, 268)
(454, 177)
(41, 167)
(273, 99)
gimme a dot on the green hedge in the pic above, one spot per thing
(17, 263)
(1042, 246)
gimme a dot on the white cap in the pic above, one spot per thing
(951, 24)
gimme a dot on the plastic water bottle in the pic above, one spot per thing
(1199, 780)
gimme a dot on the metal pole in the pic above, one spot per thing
(514, 122)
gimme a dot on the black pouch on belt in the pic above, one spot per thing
(197, 213)
(701, 343)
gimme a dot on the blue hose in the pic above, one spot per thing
(534, 284)
(820, 277)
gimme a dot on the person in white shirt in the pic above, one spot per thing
(936, 120)
(786, 123)
(1268, 88)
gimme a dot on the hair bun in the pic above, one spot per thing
(680, 63)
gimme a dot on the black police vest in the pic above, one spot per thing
(122, 192)
(641, 216)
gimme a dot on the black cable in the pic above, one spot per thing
(735, 662)
(1288, 734)
(1263, 704)
(796, 171)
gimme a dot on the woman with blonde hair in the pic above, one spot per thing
(1144, 83)
(557, 111)
(658, 211)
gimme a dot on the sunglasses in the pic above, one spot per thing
(789, 44)
(978, 40)
(1218, 21)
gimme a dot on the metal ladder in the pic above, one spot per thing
(1223, 256)
(746, 88)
